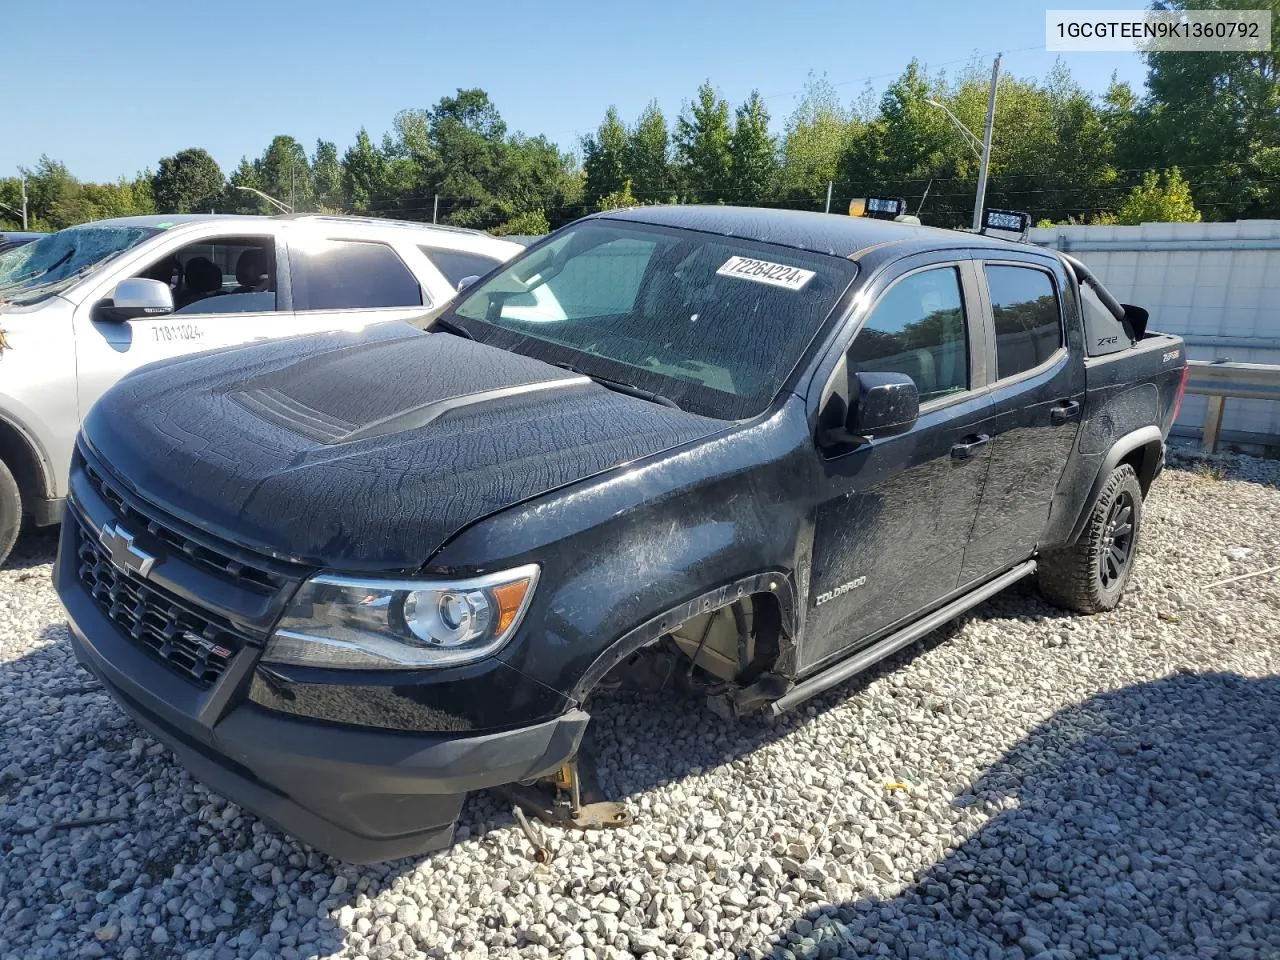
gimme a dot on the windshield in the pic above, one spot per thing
(714, 323)
(38, 270)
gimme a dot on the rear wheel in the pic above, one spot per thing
(1090, 575)
(10, 511)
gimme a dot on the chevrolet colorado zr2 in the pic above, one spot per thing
(350, 577)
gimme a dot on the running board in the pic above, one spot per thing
(839, 672)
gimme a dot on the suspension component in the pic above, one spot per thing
(558, 799)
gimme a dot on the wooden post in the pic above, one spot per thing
(1213, 422)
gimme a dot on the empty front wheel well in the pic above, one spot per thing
(763, 604)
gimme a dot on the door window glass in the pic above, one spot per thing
(223, 275)
(349, 275)
(918, 328)
(457, 265)
(1028, 322)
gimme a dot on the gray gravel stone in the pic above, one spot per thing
(1061, 787)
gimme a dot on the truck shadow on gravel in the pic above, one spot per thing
(1144, 822)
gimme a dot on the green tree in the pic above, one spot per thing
(326, 176)
(817, 135)
(1159, 200)
(1218, 114)
(619, 199)
(534, 223)
(648, 159)
(468, 135)
(11, 202)
(51, 195)
(285, 173)
(702, 140)
(364, 172)
(605, 157)
(188, 182)
(753, 153)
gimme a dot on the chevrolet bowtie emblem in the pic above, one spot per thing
(120, 548)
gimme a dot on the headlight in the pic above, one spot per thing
(372, 624)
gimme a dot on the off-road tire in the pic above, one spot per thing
(10, 512)
(1079, 577)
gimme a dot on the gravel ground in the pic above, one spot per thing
(1024, 784)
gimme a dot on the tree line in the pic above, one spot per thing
(1202, 140)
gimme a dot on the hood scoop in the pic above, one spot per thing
(281, 410)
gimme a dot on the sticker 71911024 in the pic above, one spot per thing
(167, 332)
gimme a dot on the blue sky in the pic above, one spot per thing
(109, 88)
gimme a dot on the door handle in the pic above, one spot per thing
(966, 448)
(1064, 412)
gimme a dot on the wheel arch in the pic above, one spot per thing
(21, 455)
(1143, 449)
(774, 587)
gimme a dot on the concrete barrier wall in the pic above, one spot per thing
(1217, 285)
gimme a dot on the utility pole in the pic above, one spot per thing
(435, 207)
(828, 196)
(985, 163)
(293, 185)
(24, 203)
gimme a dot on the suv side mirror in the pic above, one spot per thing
(137, 297)
(467, 281)
(882, 404)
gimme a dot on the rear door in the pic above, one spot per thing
(346, 283)
(213, 308)
(895, 513)
(1036, 405)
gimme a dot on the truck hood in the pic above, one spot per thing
(364, 452)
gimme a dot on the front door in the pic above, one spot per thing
(895, 513)
(224, 293)
(1035, 413)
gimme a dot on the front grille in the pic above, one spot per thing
(243, 574)
(186, 641)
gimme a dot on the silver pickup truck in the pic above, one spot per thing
(82, 307)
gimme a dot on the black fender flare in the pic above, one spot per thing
(775, 582)
(1149, 436)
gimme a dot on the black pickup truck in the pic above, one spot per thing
(350, 578)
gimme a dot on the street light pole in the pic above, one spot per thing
(970, 138)
(981, 148)
(985, 164)
(282, 207)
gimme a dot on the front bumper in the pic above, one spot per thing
(358, 794)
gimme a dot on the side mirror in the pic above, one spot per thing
(466, 282)
(882, 404)
(138, 297)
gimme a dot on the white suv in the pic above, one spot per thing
(82, 307)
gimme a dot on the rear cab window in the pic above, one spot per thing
(350, 275)
(1027, 314)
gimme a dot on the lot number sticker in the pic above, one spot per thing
(762, 271)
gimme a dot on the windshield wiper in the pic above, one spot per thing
(456, 329)
(621, 386)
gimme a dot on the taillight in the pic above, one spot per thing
(1182, 389)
